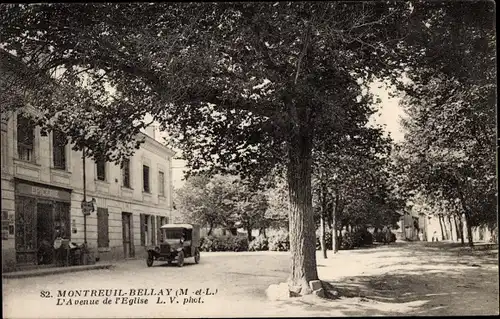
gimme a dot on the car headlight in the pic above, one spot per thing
(157, 249)
(171, 250)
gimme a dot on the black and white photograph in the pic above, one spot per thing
(249, 159)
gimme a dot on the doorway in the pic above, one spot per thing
(128, 247)
(45, 232)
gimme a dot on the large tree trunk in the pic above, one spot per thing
(301, 219)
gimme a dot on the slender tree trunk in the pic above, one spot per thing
(467, 216)
(262, 231)
(322, 236)
(457, 227)
(323, 221)
(461, 226)
(469, 230)
(210, 229)
(301, 219)
(335, 245)
(450, 224)
(445, 228)
(441, 226)
(249, 233)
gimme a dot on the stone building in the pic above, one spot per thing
(42, 192)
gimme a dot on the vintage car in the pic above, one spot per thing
(179, 241)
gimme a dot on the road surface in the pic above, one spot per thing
(401, 279)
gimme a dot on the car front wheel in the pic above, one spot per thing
(149, 261)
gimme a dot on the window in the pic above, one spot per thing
(161, 183)
(102, 228)
(101, 170)
(145, 178)
(25, 138)
(126, 173)
(59, 142)
(163, 221)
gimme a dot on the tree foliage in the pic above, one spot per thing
(222, 201)
(449, 150)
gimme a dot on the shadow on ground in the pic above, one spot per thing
(409, 279)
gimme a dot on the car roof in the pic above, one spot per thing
(171, 226)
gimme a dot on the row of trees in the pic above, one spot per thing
(245, 88)
(448, 154)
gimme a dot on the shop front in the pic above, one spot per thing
(42, 215)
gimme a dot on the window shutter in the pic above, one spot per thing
(153, 230)
(102, 228)
(158, 229)
(143, 237)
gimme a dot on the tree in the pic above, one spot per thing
(353, 182)
(208, 201)
(450, 99)
(251, 206)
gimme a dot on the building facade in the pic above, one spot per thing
(42, 192)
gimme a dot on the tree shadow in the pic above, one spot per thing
(405, 293)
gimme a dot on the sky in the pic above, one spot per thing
(389, 113)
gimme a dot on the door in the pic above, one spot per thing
(45, 232)
(128, 250)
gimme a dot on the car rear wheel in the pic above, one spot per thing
(197, 256)
(180, 259)
(149, 261)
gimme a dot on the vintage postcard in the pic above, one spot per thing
(248, 159)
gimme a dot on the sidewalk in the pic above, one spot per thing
(54, 270)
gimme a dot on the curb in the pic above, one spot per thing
(54, 271)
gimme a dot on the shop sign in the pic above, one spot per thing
(39, 191)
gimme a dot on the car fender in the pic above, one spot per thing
(153, 251)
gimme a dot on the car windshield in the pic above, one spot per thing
(173, 233)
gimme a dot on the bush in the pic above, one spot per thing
(328, 240)
(349, 241)
(393, 237)
(224, 243)
(379, 237)
(258, 244)
(279, 241)
(363, 237)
